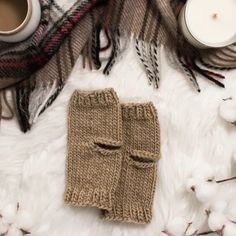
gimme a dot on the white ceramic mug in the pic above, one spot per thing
(18, 19)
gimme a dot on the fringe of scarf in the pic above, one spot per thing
(152, 23)
(156, 26)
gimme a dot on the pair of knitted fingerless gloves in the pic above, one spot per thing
(112, 153)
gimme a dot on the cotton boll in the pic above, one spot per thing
(3, 227)
(177, 226)
(230, 229)
(216, 221)
(219, 206)
(228, 110)
(206, 191)
(9, 213)
(13, 231)
(24, 219)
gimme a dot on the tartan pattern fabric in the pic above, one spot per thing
(44, 42)
(37, 68)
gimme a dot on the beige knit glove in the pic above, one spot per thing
(135, 191)
(94, 148)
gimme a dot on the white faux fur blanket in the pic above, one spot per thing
(195, 142)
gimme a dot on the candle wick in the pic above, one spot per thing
(215, 16)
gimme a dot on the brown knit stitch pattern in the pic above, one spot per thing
(94, 148)
(135, 191)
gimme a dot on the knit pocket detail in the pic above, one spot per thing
(106, 146)
(142, 159)
(140, 162)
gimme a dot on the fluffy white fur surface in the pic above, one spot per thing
(193, 136)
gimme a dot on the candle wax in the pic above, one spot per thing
(212, 22)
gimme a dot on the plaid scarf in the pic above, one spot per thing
(36, 69)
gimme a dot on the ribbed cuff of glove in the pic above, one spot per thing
(95, 98)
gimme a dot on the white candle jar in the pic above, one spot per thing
(18, 19)
(209, 23)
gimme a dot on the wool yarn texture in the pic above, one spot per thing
(112, 156)
(36, 69)
(135, 192)
(94, 148)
